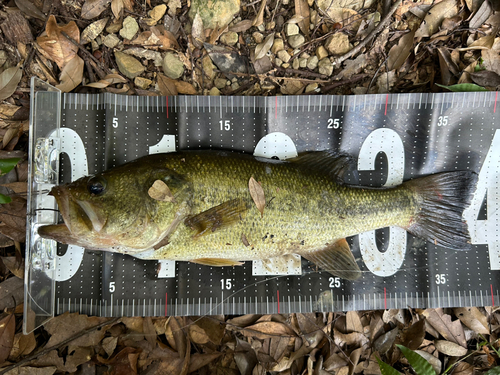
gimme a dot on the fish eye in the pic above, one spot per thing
(96, 185)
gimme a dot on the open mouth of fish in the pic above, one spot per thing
(79, 217)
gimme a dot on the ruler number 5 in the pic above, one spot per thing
(440, 278)
(112, 287)
(333, 123)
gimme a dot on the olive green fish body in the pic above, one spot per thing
(207, 213)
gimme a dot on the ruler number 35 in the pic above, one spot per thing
(440, 279)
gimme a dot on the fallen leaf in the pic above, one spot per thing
(451, 331)
(117, 8)
(240, 27)
(197, 31)
(263, 48)
(11, 292)
(354, 338)
(257, 194)
(265, 330)
(199, 360)
(23, 345)
(386, 341)
(435, 16)
(93, 30)
(149, 331)
(302, 10)
(109, 345)
(413, 336)
(93, 8)
(482, 14)
(486, 78)
(185, 88)
(473, 318)
(9, 79)
(71, 75)
(30, 9)
(198, 334)
(400, 52)
(167, 39)
(450, 348)
(167, 85)
(14, 266)
(259, 18)
(56, 45)
(110, 79)
(353, 322)
(160, 192)
(7, 331)
(463, 368)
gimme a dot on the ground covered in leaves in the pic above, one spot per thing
(228, 47)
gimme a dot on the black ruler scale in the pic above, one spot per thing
(392, 138)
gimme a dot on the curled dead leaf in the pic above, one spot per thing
(71, 75)
(167, 85)
(9, 79)
(160, 192)
(7, 331)
(110, 79)
(257, 194)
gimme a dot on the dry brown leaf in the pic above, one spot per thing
(13, 214)
(185, 88)
(117, 8)
(93, 8)
(259, 18)
(354, 338)
(9, 79)
(435, 16)
(385, 342)
(109, 345)
(257, 194)
(302, 10)
(30, 9)
(7, 331)
(23, 345)
(149, 331)
(110, 79)
(176, 336)
(353, 322)
(473, 318)
(486, 78)
(450, 348)
(451, 331)
(199, 360)
(463, 368)
(198, 334)
(160, 192)
(413, 336)
(241, 26)
(491, 60)
(263, 48)
(14, 266)
(167, 85)
(93, 30)
(400, 52)
(68, 325)
(197, 31)
(156, 14)
(71, 75)
(486, 42)
(56, 45)
(167, 39)
(265, 330)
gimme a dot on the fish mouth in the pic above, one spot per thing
(79, 216)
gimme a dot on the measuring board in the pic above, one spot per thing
(391, 138)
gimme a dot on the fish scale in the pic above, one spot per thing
(390, 137)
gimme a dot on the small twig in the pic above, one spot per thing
(353, 79)
(304, 73)
(57, 346)
(84, 50)
(365, 41)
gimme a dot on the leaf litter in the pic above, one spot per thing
(428, 43)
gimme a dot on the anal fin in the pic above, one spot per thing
(337, 259)
(216, 262)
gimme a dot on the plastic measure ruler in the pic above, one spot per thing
(391, 137)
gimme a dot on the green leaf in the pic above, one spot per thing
(5, 199)
(6, 165)
(463, 87)
(386, 369)
(419, 364)
(493, 371)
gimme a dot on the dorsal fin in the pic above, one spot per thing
(337, 165)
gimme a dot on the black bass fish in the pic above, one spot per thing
(207, 214)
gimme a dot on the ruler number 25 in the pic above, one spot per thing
(333, 123)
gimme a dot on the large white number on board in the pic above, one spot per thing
(388, 142)
(485, 231)
(71, 145)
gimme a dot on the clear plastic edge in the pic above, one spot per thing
(43, 173)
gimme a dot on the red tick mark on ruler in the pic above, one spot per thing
(278, 293)
(495, 107)
(492, 298)
(386, 101)
(167, 106)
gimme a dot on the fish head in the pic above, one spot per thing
(113, 210)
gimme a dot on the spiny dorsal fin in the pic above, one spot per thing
(216, 262)
(337, 165)
(337, 259)
(217, 217)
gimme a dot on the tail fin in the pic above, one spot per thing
(441, 201)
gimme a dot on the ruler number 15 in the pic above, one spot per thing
(225, 125)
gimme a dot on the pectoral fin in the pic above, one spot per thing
(216, 262)
(337, 259)
(217, 217)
